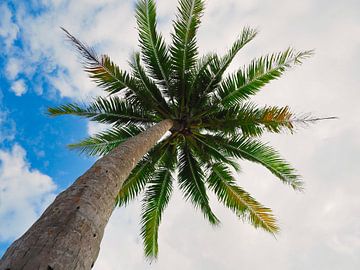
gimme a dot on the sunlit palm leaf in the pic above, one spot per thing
(108, 75)
(101, 69)
(234, 197)
(253, 121)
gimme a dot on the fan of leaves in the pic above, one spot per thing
(215, 123)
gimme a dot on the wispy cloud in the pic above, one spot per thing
(44, 50)
(13, 68)
(8, 29)
(24, 193)
(7, 125)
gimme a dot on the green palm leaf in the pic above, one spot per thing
(184, 48)
(136, 181)
(102, 70)
(210, 153)
(144, 171)
(153, 47)
(150, 91)
(220, 66)
(201, 76)
(111, 110)
(103, 142)
(270, 118)
(191, 181)
(261, 71)
(108, 75)
(253, 121)
(156, 198)
(235, 198)
(255, 151)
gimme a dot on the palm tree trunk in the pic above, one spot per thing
(68, 234)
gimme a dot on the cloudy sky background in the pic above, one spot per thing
(320, 228)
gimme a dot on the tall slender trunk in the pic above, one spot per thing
(68, 234)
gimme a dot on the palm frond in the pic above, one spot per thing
(137, 180)
(253, 121)
(274, 119)
(103, 142)
(219, 67)
(210, 153)
(153, 48)
(258, 152)
(143, 173)
(149, 90)
(201, 76)
(109, 76)
(191, 182)
(249, 80)
(111, 110)
(184, 49)
(101, 69)
(223, 184)
(156, 198)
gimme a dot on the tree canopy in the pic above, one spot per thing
(215, 123)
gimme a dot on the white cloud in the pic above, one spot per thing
(24, 193)
(19, 87)
(45, 50)
(94, 128)
(13, 68)
(8, 29)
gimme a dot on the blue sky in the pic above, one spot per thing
(320, 228)
(24, 121)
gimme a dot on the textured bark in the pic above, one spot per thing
(68, 234)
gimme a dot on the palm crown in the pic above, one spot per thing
(214, 123)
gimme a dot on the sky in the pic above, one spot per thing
(320, 228)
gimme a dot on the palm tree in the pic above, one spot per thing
(175, 116)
